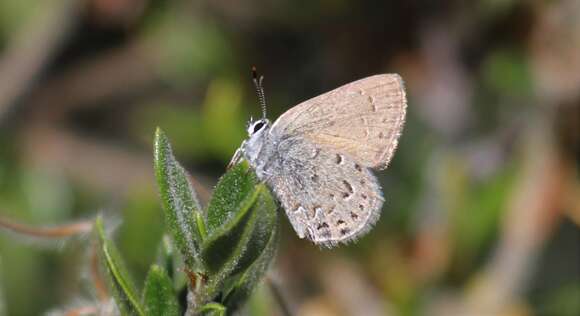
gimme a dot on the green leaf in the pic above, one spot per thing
(121, 285)
(233, 247)
(228, 195)
(213, 309)
(158, 296)
(182, 209)
(265, 225)
(249, 279)
(226, 246)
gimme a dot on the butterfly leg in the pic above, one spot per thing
(235, 159)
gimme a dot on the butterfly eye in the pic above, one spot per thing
(258, 126)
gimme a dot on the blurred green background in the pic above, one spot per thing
(483, 195)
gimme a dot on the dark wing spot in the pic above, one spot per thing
(314, 178)
(364, 196)
(353, 215)
(321, 226)
(340, 222)
(344, 231)
(338, 159)
(349, 189)
(357, 167)
(362, 207)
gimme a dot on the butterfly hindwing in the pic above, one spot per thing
(328, 197)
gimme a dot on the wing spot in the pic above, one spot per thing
(381, 135)
(344, 231)
(363, 182)
(353, 215)
(348, 186)
(338, 159)
(357, 167)
(349, 189)
(323, 225)
(314, 178)
(362, 207)
(340, 222)
(364, 196)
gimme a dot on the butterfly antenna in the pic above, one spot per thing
(259, 90)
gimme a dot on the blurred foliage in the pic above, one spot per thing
(492, 87)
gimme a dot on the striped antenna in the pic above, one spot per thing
(259, 90)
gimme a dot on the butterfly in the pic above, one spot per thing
(317, 157)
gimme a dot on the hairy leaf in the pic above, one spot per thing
(120, 283)
(158, 295)
(183, 212)
(235, 186)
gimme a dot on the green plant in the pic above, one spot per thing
(224, 250)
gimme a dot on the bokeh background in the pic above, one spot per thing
(483, 195)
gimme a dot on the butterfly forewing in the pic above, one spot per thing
(363, 119)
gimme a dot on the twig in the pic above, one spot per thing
(66, 230)
(98, 281)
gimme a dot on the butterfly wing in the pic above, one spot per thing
(328, 197)
(363, 119)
